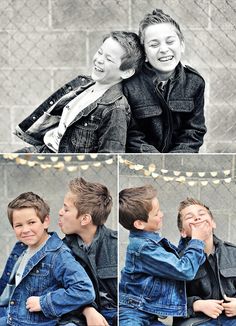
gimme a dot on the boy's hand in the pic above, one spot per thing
(229, 306)
(94, 318)
(32, 304)
(211, 308)
(201, 231)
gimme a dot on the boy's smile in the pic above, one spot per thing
(194, 214)
(106, 63)
(163, 48)
(28, 227)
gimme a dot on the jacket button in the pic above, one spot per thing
(34, 117)
(83, 79)
(10, 318)
(70, 87)
(85, 124)
(51, 102)
(12, 303)
(8, 273)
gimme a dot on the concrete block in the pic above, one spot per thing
(223, 14)
(222, 89)
(4, 50)
(89, 15)
(190, 14)
(55, 49)
(218, 130)
(5, 124)
(30, 15)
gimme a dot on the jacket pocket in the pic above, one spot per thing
(147, 111)
(107, 272)
(39, 278)
(181, 105)
(228, 272)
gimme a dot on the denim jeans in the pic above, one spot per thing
(110, 314)
(220, 321)
(3, 321)
(131, 317)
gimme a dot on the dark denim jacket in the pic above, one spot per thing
(154, 274)
(173, 122)
(213, 284)
(105, 271)
(53, 275)
(100, 127)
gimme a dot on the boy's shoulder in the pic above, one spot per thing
(190, 70)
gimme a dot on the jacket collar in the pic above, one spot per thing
(146, 235)
(153, 73)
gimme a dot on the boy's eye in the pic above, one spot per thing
(170, 42)
(99, 51)
(154, 45)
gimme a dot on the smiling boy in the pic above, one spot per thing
(89, 114)
(44, 278)
(212, 293)
(166, 97)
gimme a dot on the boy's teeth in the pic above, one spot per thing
(166, 58)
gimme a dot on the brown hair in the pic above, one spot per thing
(135, 204)
(188, 202)
(28, 200)
(134, 53)
(91, 198)
(157, 17)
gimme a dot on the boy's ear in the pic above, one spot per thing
(183, 233)
(85, 219)
(127, 73)
(46, 222)
(139, 224)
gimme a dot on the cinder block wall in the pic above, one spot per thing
(45, 43)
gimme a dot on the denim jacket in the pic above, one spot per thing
(154, 274)
(100, 127)
(53, 275)
(214, 283)
(173, 119)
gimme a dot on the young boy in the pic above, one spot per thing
(90, 114)
(152, 281)
(85, 210)
(167, 98)
(212, 293)
(46, 279)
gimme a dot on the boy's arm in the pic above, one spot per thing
(76, 291)
(112, 131)
(190, 138)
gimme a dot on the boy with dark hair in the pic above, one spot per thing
(85, 210)
(166, 97)
(152, 281)
(90, 114)
(212, 293)
(41, 280)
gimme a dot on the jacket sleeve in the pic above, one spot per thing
(190, 137)
(76, 291)
(112, 131)
(159, 262)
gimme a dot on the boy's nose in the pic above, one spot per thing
(163, 48)
(61, 212)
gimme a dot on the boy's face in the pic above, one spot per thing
(163, 47)
(69, 222)
(194, 214)
(28, 227)
(106, 63)
(155, 216)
